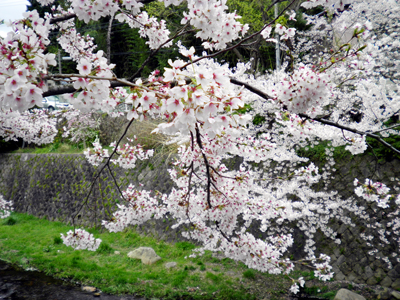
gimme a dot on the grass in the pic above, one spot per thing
(52, 148)
(31, 242)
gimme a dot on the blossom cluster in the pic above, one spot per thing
(156, 31)
(323, 269)
(79, 239)
(96, 155)
(295, 287)
(34, 126)
(214, 23)
(373, 192)
(94, 70)
(304, 91)
(285, 32)
(128, 155)
(140, 207)
(5, 208)
(23, 62)
(205, 98)
(80, 127)
(93, 89)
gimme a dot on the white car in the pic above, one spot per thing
(52, 103)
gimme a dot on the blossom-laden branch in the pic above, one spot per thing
(323, 120)
(349, 129)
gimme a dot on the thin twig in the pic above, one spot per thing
(101, 170)
(115, 181)
(384, 129)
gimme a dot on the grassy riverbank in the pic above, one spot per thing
(32, 242)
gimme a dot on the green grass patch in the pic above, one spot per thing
(34, 242)
(52, 148)
(249, 274)
(10, 221)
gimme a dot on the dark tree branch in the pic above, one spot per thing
(251, 88)
(69, 89)
(115, 181)
(320, 120)
(62, 18)
(198, 140)
(333, 124)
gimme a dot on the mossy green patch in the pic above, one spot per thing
(33, 242)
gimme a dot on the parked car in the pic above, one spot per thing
(53, 103)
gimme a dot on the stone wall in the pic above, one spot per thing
(54, 186)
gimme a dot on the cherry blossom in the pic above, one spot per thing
(79, 239)
(5, 208)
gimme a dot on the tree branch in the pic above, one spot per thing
(62, 18)
(333, 124)
(198, 140)
(320, 120)
(251, 88)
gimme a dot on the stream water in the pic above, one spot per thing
(18, 284)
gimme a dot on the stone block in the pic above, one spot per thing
(387, 282)
(342, 229)
(340, 276)
(357, 253)
(395, 295)
(340, 260)
(379, 274)
(378, 263)
(363, 261)
(336, 251)
(345, 268)
(397, 268)
(372, 281)
(358, 269)
(359, 280)
(344, 294)
(170, 265)
(351, 277)
(383, 295)
(368, 273)
(393, 274)
(146, 254)
(396, 284)
(355, 231)
(335, 269)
